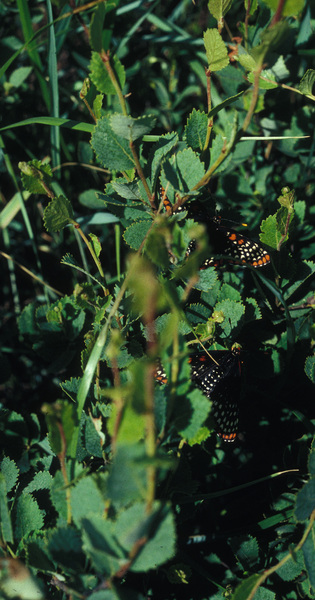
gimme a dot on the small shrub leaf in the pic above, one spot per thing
(5, 524)
(191, 413)
(306, 84)
(41, 481)
(135, 233)
(112, 151)
(219, 8)
(216, 50)
(292, 568)
(131, 129)
(65, 547)
(310, 368)
(10, 472)
(196, 130)
(308, 550)
(305, 501)
(157, 528)
(291, 8)
(100, 544)
(58, 214)
(36, 176)
(243, 590)
(29, 517)
(100, 76)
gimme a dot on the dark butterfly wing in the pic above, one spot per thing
(224, 241)
(225, 408)
(237, 246)
(218, 377)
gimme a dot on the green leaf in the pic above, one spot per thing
(243, 590)
(6, 533)
(156, 245)
(251, 6)
(41, 480)
(292, 568)
(65, 547)
(127, 479)
(246, 551)
(184, 172)
(10, 472)
(270, 231)
(101, 546)
(96, 27)
(86, 499)
(263, 84)
(132, 129)
(36, 176)
(128, 191)
(228, 292)
(111, 595)
(132, 426)
(112, 151)
(291, 8)
(217, 146)
(216, 50)
(305, 501)
(310, 368)
(308, 550)
(196, 130)
(61, 419)
(233, 312)
(19, 75)
(37, 552)
(93, 436)
(58, 498)
(198, 313)
(97, 246)
(58, 214)
(97, 106)
(219, 8)
(207, 279)
(100, 76)
(271, 39)
(29, 517)
(156, 527)
(311, 462)
(214, 111)
(306, 84)
(160, 150)
(190, 413)
(135, 233)
(246, 60)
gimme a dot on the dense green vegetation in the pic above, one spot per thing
(112, 486)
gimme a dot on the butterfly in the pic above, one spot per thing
(235, 246)
(224, 240)
(218, 376)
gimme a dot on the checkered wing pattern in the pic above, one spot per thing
(218, 377)
(224, 241)
(228, 242)
(160, 375)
